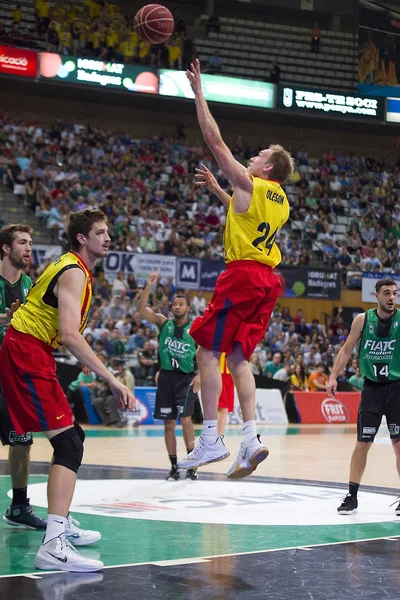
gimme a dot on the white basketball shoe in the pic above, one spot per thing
(80, 537)
(203, 454)
(248, 458)
(59, 555)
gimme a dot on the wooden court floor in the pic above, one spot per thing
(275, 535)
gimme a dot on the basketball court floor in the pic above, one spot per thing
(275, 535)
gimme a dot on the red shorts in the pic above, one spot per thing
(33, 394)
(240, 309)
(227, 397)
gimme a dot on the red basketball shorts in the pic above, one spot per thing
(240, 309)
(227, 397)
(33, 394)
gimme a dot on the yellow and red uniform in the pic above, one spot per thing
(246, 292)
(34, 397)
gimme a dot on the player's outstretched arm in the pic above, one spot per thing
(234, 171)
(345, 352)
(69, 290)
(142, 308)
(205, 177)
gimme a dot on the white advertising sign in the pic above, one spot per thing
(269, 409)
(369, 281)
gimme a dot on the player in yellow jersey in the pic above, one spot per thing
(55, 312)
(245, 294)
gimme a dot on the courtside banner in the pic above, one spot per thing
(369, 281)
(141, 265)
(43, 252)
(219, 88)
(210, 271)
(269, 408)
(145, 403)
(309, 283)
(319, 407)
(16, 61)
(98, 73)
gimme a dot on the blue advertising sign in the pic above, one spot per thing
(188, 273)
(145, 402)
(210, 271)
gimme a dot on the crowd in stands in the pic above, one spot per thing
(303, 353)
(146, 189)
(100, 30)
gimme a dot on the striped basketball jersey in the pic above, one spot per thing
(39, 315)
(251, 235)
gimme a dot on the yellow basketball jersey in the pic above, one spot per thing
(251, 235)
(39, 315)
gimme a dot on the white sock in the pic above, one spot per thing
(55, 527)
(249, 431)
(210, 431)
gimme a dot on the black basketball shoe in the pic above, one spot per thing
(192, 474)
(174, 474)
(348, 505)
(23, 515)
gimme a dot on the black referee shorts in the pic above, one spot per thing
(378, 400)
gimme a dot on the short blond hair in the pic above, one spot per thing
(283, 163)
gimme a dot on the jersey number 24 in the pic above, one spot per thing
(265, 229)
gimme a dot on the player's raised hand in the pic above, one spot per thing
(205, 177)
(153, 278)
(194, 76)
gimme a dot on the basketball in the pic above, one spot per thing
(154, 24)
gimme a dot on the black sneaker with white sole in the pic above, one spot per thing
(348, 505)
(192, 474)
(23, 515)
(174, 474)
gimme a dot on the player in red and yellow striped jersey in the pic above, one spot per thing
(238, 314)
(55, 313)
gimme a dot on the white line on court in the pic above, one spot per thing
(210, 557)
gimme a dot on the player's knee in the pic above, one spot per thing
(205, 357)
(68, 449)
(79, 431)
(363, 447)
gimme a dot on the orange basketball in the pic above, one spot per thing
(154, 24)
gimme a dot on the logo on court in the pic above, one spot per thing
(217, 502)
(334, 411)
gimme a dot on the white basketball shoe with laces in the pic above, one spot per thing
(248, 458)
(80, 537)
(204, 454)
(59, 555)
